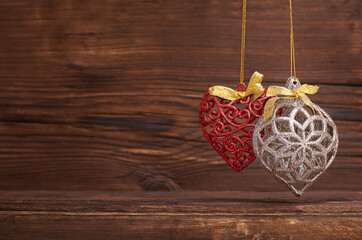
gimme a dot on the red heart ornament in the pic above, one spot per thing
(229, 125)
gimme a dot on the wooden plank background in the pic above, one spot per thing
(215, 215)
(103, 95)
(99, 107)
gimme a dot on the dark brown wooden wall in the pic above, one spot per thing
(103, 95)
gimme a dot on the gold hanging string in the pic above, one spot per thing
(277, 92)
(292, 52)
(254, 87)
(242, 55)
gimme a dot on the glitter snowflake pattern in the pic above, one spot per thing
(296, 145)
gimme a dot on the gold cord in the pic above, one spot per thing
(293, 71)
(243, 25)
(292, 52)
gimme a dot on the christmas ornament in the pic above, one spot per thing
(227, 116)
(298, 142)
(295, 140)
(227, 120)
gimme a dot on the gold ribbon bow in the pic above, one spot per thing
(300, 92)
(254, 88)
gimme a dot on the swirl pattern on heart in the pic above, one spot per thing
(229, 125)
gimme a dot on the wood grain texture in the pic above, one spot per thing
(104, 94)
(179, 215)
(99, 100)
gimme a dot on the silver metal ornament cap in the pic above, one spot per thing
(292, 83)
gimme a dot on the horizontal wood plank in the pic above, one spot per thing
(186, 215)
